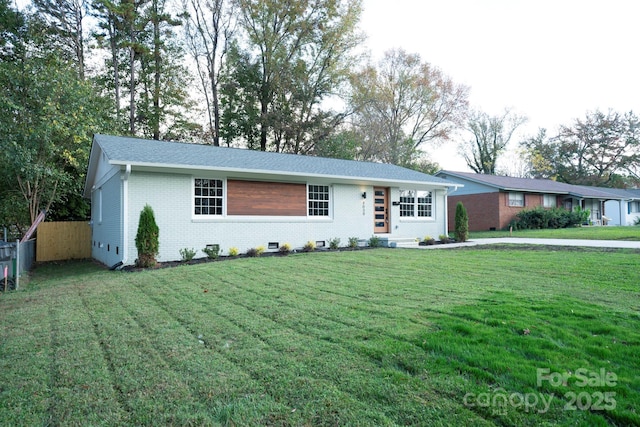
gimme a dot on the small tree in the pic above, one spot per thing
(147, 238)
(462, 223)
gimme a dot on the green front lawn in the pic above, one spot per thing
(589, 233)
(375, 337)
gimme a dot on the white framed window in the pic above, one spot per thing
(515, 199)
(208, 196)
(425, 204)
(407, 203)
(634, 207)
(416, 204)
(318, 200)
(549, 201)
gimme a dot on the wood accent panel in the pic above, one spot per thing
(266, 198)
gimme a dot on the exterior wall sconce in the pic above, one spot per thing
(364, 194)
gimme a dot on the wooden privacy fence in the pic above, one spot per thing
(58, 241)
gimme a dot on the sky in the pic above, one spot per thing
(549, 60)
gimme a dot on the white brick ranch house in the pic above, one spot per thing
(204, 195)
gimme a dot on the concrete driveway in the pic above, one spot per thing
(550, 242)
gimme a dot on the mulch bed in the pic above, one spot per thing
(204, 260)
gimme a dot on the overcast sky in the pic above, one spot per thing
(549, 60)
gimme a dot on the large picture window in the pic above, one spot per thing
(208, 196)
(416, 204)
(318, 200)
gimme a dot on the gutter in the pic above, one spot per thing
(124, 212)
(446, 203)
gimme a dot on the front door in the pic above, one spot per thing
(380, 210)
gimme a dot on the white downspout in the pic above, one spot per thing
(125, 213)
(446, 205)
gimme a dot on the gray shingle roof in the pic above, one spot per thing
(144, 152)
(511, 183)
(508, 183)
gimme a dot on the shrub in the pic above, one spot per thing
(353, 242)
(187, 254)
(444, 238)
(334, 243)
(255, 252)
(285, 249)
(375, 242)
(309, 246)
(429, 240)
(462, 223)
(539, 218)
(212, 251)
(147, 238)
(233, 251)
(637, 221)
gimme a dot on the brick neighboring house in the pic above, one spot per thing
(492, 201)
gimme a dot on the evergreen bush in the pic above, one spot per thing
(147, 238)
(461, 223)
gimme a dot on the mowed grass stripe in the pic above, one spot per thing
(387, 351)
(274, 356)
(376, 337)
(222, 388)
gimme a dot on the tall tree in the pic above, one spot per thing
(145, 64)
(490, 137)
(209, 28)
(65, 19)
(164, 96)
(601, 150)
(299, 53)
(123, 24)
(404, 103)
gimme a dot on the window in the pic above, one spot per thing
(208, 196)
(516, 199)
(549, 201)
(634, 207)
(318, 200)
(424, 204)
(416, 203)
(407, 202)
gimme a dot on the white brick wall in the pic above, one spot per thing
(170, 196)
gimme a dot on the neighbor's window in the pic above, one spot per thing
(516, 199)
(549, 201)
(208, 196)
(318, 200)
(634, 207)
(416, 203)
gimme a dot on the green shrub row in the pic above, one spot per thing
(539, 218)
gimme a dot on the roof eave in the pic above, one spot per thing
(342, 178)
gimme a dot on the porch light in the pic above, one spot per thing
(364, 194)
